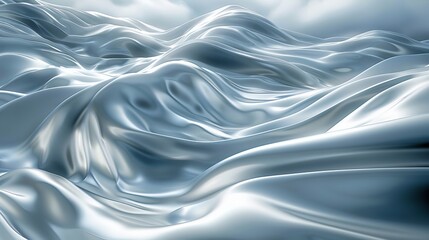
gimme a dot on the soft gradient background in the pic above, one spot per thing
(323, 18)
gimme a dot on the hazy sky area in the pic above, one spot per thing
(322, 18)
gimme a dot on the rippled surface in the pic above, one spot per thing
(226, 127)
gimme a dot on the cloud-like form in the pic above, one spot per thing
(347, 17)
(322, 18)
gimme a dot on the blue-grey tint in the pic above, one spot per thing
(226, 127)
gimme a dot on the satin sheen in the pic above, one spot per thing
(226, 127)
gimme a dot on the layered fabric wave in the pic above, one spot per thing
(226, 127)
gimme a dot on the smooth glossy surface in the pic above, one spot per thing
(226, 127)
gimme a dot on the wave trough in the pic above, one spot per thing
(226, 127)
